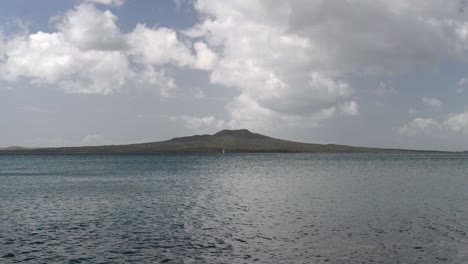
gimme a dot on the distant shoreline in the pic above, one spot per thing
(231, 141)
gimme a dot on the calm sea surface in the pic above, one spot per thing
(233, 208)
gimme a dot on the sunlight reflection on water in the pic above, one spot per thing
(263, 208)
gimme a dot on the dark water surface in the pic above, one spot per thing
(252, 208)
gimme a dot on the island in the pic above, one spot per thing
(225, 141)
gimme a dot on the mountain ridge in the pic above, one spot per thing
(239, 141)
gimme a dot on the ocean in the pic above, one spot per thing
(234, 208)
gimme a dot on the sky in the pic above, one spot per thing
(377, 73)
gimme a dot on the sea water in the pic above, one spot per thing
(234, 208)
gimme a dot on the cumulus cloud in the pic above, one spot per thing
(2, 46)
(205, 57)
(414, 111)
(419, 126)
(88, 28)
(350, 108)
(433, 103)
(107, 2)
(290, 62)
(278, 72)
(383, 90)
(89, 54)
(205, 124)
(291, 58)
(158, 46)
(247, 112)
(458, 123)
(462, 83)
(47, 58)
(455, 123)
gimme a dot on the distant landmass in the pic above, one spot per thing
(224, 141)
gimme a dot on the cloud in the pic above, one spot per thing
(454, 123)
(462, 83)
(47, 58)
(88, 28)
(245, 111)
(419, 126)
(383, 90)
(290, 63)
(107, 2)
(350, 108)
(89, 54)
(2, 46)
(78, 58)
(458, 123)
(205, 58)
(433, 103)
(414, 111)
(158, 46)
(206, 124)
(150, 77)
(276, 70)
(292, 58)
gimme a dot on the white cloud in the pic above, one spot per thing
(350, 108)
(319, 92)
(245, 112)
(290, 62)
(205, 58)
(206, 124)
(2, 46)
(89, 54)
(268, 50)
(419, 126)
(276, 71)
(432, 102)
(414, 111)
(383, 90)
(107, 2)
(178, 3)
(408, 33)
(458, 123)
(150, 77)
(158, 46)
(88, 28)
(462, 83)
(72, 60)
(41, 56)
(454, 123)
(47, 58)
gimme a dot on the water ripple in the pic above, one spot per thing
(268, 208)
